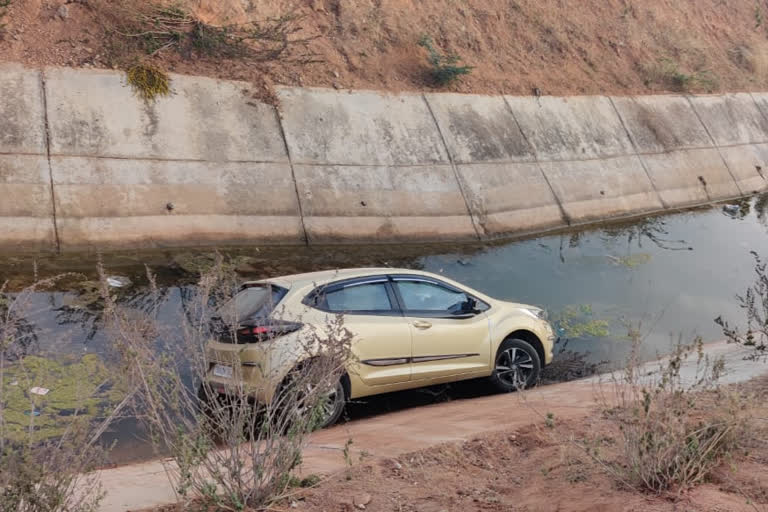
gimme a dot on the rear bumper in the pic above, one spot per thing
(245, 389)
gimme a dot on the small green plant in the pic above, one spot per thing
(4, 4)
(668, 73)
(629, 11)
(309, 481)
(758, 16)
(149, 81)
(445, 68)
(550, 421)
(754, 302)
(347, 452)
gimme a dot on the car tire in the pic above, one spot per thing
(516, 366)
(335, 407)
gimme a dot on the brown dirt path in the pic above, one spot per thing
(390, 436)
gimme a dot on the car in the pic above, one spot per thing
(409, 329)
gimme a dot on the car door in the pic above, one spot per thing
(449, 337)
(381, 345)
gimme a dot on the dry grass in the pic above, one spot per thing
(154, 28)
(674, 429)
(45, 456)
(229, 452)
(754, 303)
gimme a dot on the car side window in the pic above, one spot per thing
(358, 297)
(425, 296)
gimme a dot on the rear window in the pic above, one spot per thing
(362, 297)
(253, 303)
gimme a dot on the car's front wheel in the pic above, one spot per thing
(517, 366)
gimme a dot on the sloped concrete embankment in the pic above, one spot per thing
(84, 163)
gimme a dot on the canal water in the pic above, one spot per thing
(670, 275)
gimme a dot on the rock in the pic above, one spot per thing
(345, 504)
(336, 85)
(63, 12)
(336, 74)
(361, 500)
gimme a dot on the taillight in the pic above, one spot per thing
(258, 333)
(254, 330)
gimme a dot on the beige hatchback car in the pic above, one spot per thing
(409, 329)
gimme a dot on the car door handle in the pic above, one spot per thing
(421, 324)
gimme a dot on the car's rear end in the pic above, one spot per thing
(242, 356)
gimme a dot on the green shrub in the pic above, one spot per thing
(445, 68)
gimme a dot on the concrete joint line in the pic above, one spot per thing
(714, 144)
(695, 148)
(454, 167)
(156, 159)
(304, 232)
(47, 138)
(566, 218)
(759, 108)
(638, 154)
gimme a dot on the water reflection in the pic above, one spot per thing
(651, 229)
(674, 273)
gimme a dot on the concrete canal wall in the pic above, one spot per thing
(84, 163)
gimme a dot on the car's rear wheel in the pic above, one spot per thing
(327, 404)
(331, 406)
(517, 366)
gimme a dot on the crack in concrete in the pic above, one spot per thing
(47, 136)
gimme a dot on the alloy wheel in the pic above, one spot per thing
(514, 366)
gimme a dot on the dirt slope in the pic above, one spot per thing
(558, 46)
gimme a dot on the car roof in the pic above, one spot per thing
(327, 276)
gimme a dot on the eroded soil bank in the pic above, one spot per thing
(514, 46)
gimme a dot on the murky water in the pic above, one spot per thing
(671, 274)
